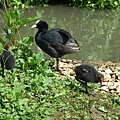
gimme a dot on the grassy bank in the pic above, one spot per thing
(33, 91)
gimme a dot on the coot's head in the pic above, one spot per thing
(7, 47)
(41, 25)
(100, 78)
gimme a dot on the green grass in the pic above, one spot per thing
(34, 92)
(28, 95)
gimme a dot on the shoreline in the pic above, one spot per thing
(110, 70)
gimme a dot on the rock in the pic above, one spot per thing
(104, 88)
(112, 88)
(107, 76)
(112, 91)
(64, 60)
(72, 73)
(100, 69)
(72, 77)
(103, 92)
(75, 62)
(118, 75)
(118, 89)
(70, 65)
(69, 61)
(61, 64)
(107, 83)
(118, 68)
(113, 76)
(63, 72)
(103, 67)
(117, 84)
(108, 71)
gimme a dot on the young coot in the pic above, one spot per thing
(87, 73)
(7, 59)
(55, 42)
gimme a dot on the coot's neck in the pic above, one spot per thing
(38, 36)
(42, 30)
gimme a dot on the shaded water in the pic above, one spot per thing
(97, 32)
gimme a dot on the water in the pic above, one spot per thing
(97, 32)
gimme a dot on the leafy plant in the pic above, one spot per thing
(13, 22)
(94, 4)
(33, 91)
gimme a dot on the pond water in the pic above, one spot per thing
(97, 31)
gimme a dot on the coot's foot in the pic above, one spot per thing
(91, 94)
(3, 76)
(56, 69)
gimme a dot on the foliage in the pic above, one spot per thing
(37, 2)
(12, 23)
(34, 92)
(95, 4)
(22, 93)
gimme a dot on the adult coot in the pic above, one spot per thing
(7, 59)
(87, 73)
(55, 42)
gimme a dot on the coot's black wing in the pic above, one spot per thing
(8, 60)
(86, 73)
(10, 63)
(68, 44)
(48, 42)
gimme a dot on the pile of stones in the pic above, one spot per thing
(111, 72)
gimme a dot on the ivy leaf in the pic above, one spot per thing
(39, 57)
(101, 108)
(2, 41)
(28, 40)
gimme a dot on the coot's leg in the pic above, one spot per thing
(57, 67)
(82, 82)
(12, 70)
(87, 92)
(2, 65)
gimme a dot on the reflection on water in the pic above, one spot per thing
(97, 32)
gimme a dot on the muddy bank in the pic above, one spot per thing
(110, 70)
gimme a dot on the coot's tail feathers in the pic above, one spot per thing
(71, 46)
(68, 48)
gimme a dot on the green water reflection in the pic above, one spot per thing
(97, 32)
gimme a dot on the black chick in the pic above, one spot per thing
(87, 73)
(7, 59)
(55, 42)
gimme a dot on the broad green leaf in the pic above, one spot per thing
(2, 41)
(47, 82)
(59, 94)
(46, 63)
(28, 40)
(25, 21)
(101, 108)
(39, 57)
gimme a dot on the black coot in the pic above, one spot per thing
(55, 42)
(7, 59)
(87, 73)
